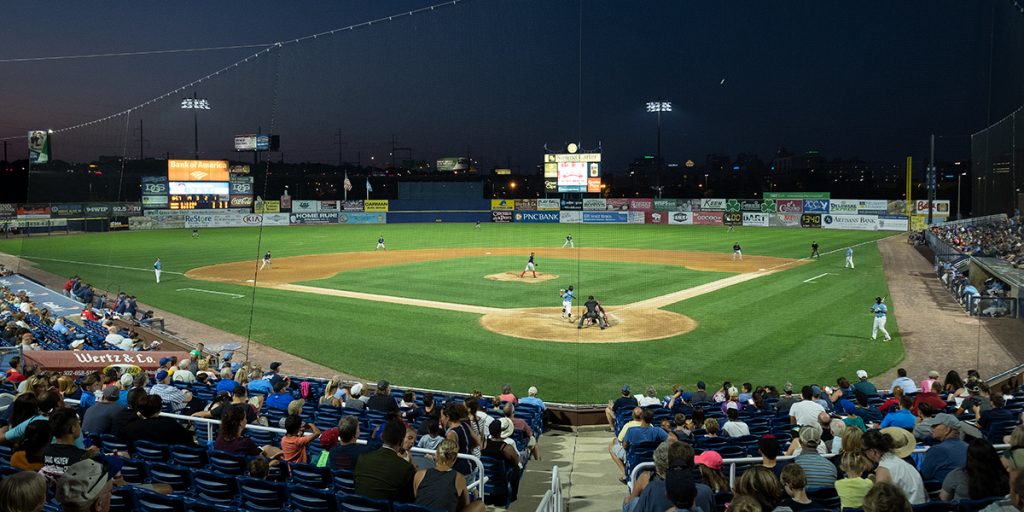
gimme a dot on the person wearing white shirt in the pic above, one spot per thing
(904, 382)
(806, 411)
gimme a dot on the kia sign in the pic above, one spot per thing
(857, 222)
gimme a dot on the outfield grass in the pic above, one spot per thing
(770, 330)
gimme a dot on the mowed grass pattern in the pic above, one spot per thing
(767, 331)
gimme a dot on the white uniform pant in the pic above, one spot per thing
(879, 325)
(157, 272)
(380, 246)
(849, 262)
(737, 255)
(265, 264)
(569, 243)
(567, 308)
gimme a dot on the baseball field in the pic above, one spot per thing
(444, 307)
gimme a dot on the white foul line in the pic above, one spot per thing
(232, 295)
(98, 264)
(815, 277)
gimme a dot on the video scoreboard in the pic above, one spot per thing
(198, 202)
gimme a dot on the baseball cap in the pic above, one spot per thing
(382, 384)
(625, 388)
(815, 390)
(77, 343)
(357, 388)
(810, 435)
(83, 482)
(127, 380)
(731, 405)
(275, 365)
(161, 375)
(710, 458)
(733, 391)
(788, 387)
(933, 374)
(532, 390)
(164, 360)
(946, 419)
(329, 438)
(111, 393)
(506, 428)
(861, 374)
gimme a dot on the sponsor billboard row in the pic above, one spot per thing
(537, 216)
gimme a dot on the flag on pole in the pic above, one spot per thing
(347, 184)
(368, 187)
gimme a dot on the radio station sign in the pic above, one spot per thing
(815, 206)
(810, 220)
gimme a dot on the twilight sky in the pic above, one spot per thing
(500, 79)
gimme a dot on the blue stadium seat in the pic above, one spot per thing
(194, 505)
(311, 476)
(113, 444)
(122, 499)
(307, 499)
(261, 495)
(827, 497)
(189, 456)
(228, 463)
(179, 478)
(214, 486)
(498, 486)
(357, 503)
(344, 481)
(149, 501)
(935, 506)
(134, 471)
(151, 452)
(263, 437)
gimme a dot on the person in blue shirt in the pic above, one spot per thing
(157, 268)
(902, 418)
(281, 397)
(567, 296)
(849, 257)
(531, 399)
(879, 310)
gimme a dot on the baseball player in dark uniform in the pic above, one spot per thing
(737, 252)
(814, 249)
(530, 267)
(593, 312)
(266, 261)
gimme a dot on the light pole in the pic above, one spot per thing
(706, 182)
(958, 178)
(659, 107)
(195, 104)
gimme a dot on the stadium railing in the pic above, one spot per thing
(552, 500)
(478, 465)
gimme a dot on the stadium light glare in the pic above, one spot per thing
(195, 104)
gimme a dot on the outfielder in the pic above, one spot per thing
(568, 241)
(814, 249)
(530, 267)
(849, 257)
(879, 309)
(567, 297)
(157, 267)
(266, 261)
(380, 243)
(737, 252)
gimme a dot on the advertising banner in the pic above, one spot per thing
(58, 304)
(501, 216)
(551, 185)
(381, 205)
(526, 204)
(285, 201)
(329, 206)
(641, 205)
(815, 206)
(733, 205)
(266, 219)
(897, 207)
(549, 204)
(784, 220)
(710, 205)
(305, 206)
(707, 218)
(34, 211)
(240, 202)
(594, 204)
(789, 206)
(8, 211)
(893, 223)
(858, 222)
(154, 202)
(241, 185)
(657, 217)
(84, 362)
(352, 206)
(810, 220)
(503, 204)
(154, 185)
(266, 207)
(66, 210)
(872, 206)
(940, 207)
(98, 210)
(605, 217)
(240, 169)
(537, 216)
(796, 195)
(302, 218)
(38, 146)
(665, 205)
(594, 185)
(756, 219)
(572, 204)
(637, 216)
(197, 170)
(843, 206)
(768, 206)
(686, 218)
(126, 209)
(732, 218)
(616, 204)
(147, 223)
(570, 217)
(362, 218)
(750, 205)
(919, 222)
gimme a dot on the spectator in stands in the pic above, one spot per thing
(62, 452)
(115, 340)
(281, 397)
(24, 411)
(432, 438)
(768, 447)
(855, 486)
(892, 401)
(274, 375)
(28, 342)
(794, 483)
(735, 427)
(99, 419)
(653, 496)
(257, 383)
(820, 472)
(405, 449)
(722, 394)
(805, 412)
(295, 440)
(478, 420)
(176, 399)
(455, 419)
(1013, 457)
(709, 464)
(649, 398)
(863, 385)
(532, 399)
(701, 395)
(354, 401)
(520, 424)
(227, 381)
(381, 399)
(28, 456)
(623, 402)
(149, 319)
(978, 400)
(866, 411)
(430, 413)
(86, 486)
(183, 374)
(382, 474)
(496, 448)
(642, 433)
(23, 491)
(506, 395)
(880, 447)
(155, 428)
(1015, 501)
(995, 417)
(710, 427)
(787, 399)
(760, 484)
(441, 488)
(902, 417)
(231, 440)
(926, 384)
(904, 382)
(886, 497)
(660, 459)
(930, 397)
(14, 376)
(347, 452)
(981, 477)
(130, 414)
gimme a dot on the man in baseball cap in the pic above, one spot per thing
(863, 385)
(85, 486)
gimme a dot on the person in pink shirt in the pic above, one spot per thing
(926, 384)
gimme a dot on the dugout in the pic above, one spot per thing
(981, 269)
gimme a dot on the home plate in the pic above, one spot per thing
(486, 253)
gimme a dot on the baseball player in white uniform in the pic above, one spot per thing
(157, 268)
(266, 261)
(879, 310)
(849, 257)
(567, 296)
(568, 241)
(530, 267)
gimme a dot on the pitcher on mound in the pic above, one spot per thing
(530, 267)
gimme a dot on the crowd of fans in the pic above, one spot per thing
(997, 239)
(849, 446)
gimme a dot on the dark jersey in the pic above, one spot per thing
(736, 247)
(592, 306)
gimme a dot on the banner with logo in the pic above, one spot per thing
(815, 206)
(784, 220)
(380, 205)
(873, 206)
(810, 220)
(657, 217)
(266, 206)
(537, 216)
(637, 216)
(857, 222)
(126, 209)
(893, 222)
(526, 204)
(789, 206)
(750, 205)
(919, 222)
(685, 218)
(154, 185)
(732, 218)
(940, 207)
(34, 211)
(756, 219)
(198, 170)
(503, 204)
(710, 205)
(616, 204)
(362, 218)
(305, 206)
(549, 204)
(94, 210)
(605, 217)
(285, 202)
(352, 206)
(84, 362)
(641, 205)
(302, 218)
(152, 202)
(38, 147)
(704, 218)
(241, 185)
(733, 205)
(572, 204)
(329, 206)
(665, 205)
(149, 222)
(570, 216)
(843, 206)
(501, 216)
(240, 201)
(66, 210)
(768, 206)
(594, 204)
(8, 211)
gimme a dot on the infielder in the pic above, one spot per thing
(849, 257)
(731, 225)
(380, 243)
(530, 267)
(195, 232)
(266, 261)
(737, 252)
(157, 267)
(879, 309)
(567, 296)
(592, 313)
(568, 241)
(814, 249)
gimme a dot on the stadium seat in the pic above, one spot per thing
(179, 478)
(134, 471)
(151, 452)
(122, 499)
(228, 463)
(827, 497)
(498, 486)
(411, 507)
(149, 501)
(261, 495)
(264, 437)
(306, 499)
(113, 444)
(357, 503)
(189, 456)
(194, 505)
(344, 481)
(214, 487)
(639, 453)
(311, 476)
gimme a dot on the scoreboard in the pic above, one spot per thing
(198, 202)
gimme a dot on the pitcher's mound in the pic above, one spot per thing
(625, 325)
(528, 278)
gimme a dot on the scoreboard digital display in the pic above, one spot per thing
(198, 202)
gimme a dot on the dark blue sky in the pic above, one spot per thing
(501, 79)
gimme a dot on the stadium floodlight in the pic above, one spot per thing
(195, 104)
(659, 106)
